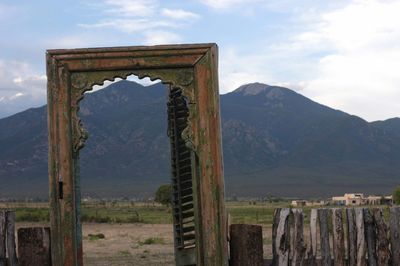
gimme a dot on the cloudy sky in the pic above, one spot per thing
(345, 54)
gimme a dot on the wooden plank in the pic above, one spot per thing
(275, 223)
(395, 234)
(361, 244)
(338, 237)
(298, 238)
(3, 255)
(370, 237)
(324, 237)
(312, 247)
(351, 236)
(246, 246)
(12, 254)
(291, 236)
(34, 246)
(282, 238)
(205, 125)
(382, 242)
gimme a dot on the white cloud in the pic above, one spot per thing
(140, 16)
(357, 70)
(18, 94)
(131, 8)
(225, 4)
(359, 25)
(131, 25)
(179, 14)
(20, 87)
(73, 41)
(296, 86)
(161, 37)
(237, 69)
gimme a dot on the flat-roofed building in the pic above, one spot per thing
(350, 199)
(356, 199)
(299, 203)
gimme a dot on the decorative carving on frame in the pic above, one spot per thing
(191, 69)
(82, 82)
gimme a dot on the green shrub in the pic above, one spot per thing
(96, 236)
(151, 241)
(164, 194)
(396, 195)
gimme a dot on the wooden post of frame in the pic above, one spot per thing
(189, 69)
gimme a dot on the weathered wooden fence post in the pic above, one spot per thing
(277, 214)
(361, 246)
(382, 242)
(298, 238)
(338, 238)
(370, 237)
(351, 237)
(34, 246)
(324, 237)
(246, 245)
(395, 234)
(312, 251)
(282, 240)
(12, 254)
(8, 254)
(3, 259)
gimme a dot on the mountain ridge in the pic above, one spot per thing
(275, 141)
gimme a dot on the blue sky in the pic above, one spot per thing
(345, 54)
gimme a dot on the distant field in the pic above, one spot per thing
(150, 213)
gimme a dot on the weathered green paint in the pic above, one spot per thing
(193, 69)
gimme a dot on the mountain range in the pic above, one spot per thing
(276, 142)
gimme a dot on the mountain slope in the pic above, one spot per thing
(275, 141)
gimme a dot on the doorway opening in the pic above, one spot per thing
(194, 130)
(134, 140)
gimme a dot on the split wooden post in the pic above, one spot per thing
(351, 236)
(11, 251)
(324, 237)
(338, 237)
(275, 223)
(298, 238)
(361, 246)
(3, 256)
(34, 246)
(246, 245)
(370, 236)
(395, 234)
(382, 242)
(312, 250)
(282, 240)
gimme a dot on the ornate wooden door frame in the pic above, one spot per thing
(192, 69)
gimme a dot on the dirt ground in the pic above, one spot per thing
(128, 244)
(133, 244)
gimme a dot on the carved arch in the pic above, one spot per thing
(189, 69)
(82, 82)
